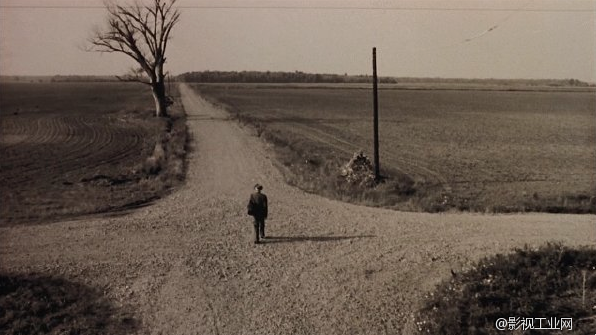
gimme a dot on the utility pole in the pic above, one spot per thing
(376, 117)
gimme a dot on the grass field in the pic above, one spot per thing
(77, 148)
(492, 150)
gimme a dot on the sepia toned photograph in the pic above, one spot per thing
(248, 167)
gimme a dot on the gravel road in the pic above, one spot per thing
(187, 264)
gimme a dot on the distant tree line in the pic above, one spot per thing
(500, 82)
(275, 77)
(303, 77)
(78, 78)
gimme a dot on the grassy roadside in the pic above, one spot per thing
(165, 168)
(551, 281)
(167, 161)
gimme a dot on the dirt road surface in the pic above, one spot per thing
(187, 264)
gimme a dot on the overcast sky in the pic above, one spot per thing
(528, 39)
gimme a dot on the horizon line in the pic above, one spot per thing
(314, 73)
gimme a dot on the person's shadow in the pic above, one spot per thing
(293, 239)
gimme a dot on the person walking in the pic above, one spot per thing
(257, 207)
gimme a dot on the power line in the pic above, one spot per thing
(430, 9)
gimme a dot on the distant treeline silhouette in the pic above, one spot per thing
(302, 77)
(499, 82)
(275, 77)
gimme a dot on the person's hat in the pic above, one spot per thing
(258, 186)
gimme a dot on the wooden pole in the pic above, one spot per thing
(376, 117)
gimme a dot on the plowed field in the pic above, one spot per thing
(71, 148)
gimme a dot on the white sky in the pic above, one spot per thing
(532, 38)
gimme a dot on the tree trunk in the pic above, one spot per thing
(159, 95)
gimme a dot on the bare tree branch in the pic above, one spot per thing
(135, 75)
(140, 31)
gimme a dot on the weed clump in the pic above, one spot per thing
(552, 281)
(359, 171)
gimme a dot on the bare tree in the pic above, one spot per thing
(141, 31)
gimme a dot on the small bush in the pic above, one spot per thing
(552, 281)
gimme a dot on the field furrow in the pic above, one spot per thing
(53, 154)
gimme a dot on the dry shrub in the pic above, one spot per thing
(359, 171)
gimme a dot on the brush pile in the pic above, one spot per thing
(359, 171)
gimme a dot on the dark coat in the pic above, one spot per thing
(257, 205)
